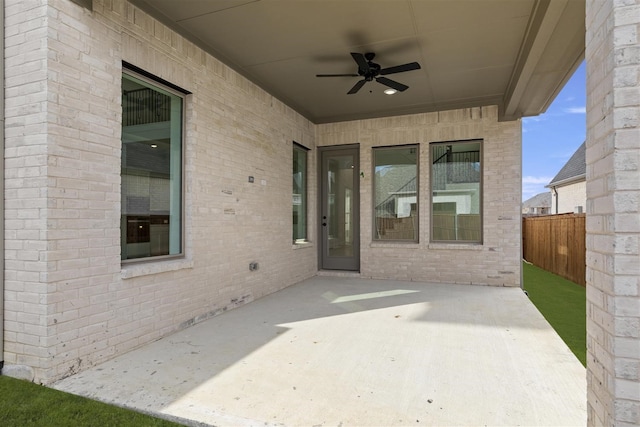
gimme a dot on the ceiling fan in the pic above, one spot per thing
(370, 71)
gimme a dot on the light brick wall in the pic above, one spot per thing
(569, 198)
(70, 304)
(497, 260)
(26, 181)
(613, 212)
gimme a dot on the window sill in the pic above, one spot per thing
(395, 244)
(457, 246)
(148, 268)
(302, 245)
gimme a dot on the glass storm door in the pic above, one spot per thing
(339, 209)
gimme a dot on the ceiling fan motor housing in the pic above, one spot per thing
(373, 71)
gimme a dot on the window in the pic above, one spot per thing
(456, 192)
(395, 193)
(151, 169)
(299, 194)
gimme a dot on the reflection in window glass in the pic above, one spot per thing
(151, 172)
(299, 194)
(456, 192)
(396, 193)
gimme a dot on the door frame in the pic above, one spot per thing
(347, 263)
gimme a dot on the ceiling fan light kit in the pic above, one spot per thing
(369, 71)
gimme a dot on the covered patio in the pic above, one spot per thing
(344, 351)
(83, 285)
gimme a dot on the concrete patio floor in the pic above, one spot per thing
(336, 351)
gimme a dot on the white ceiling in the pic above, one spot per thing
(516, 54)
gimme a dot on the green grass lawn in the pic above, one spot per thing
(27, 404)
(562, 303)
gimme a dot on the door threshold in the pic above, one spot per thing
(338, 273)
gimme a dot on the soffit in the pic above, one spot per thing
(516, 54)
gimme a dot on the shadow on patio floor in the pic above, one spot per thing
(341, 351)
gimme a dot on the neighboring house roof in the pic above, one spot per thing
(574, 170)
(542, 200)
(399, 179)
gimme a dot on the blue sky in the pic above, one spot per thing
(549, 140)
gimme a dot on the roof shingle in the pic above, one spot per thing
(574, 169)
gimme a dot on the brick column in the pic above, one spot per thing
(613, 212)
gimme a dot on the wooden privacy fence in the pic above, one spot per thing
(556, 243)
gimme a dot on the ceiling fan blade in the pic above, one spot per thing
(363, 65)
(357, 87)
(392, 84)
(337, 75)
(400, 68)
